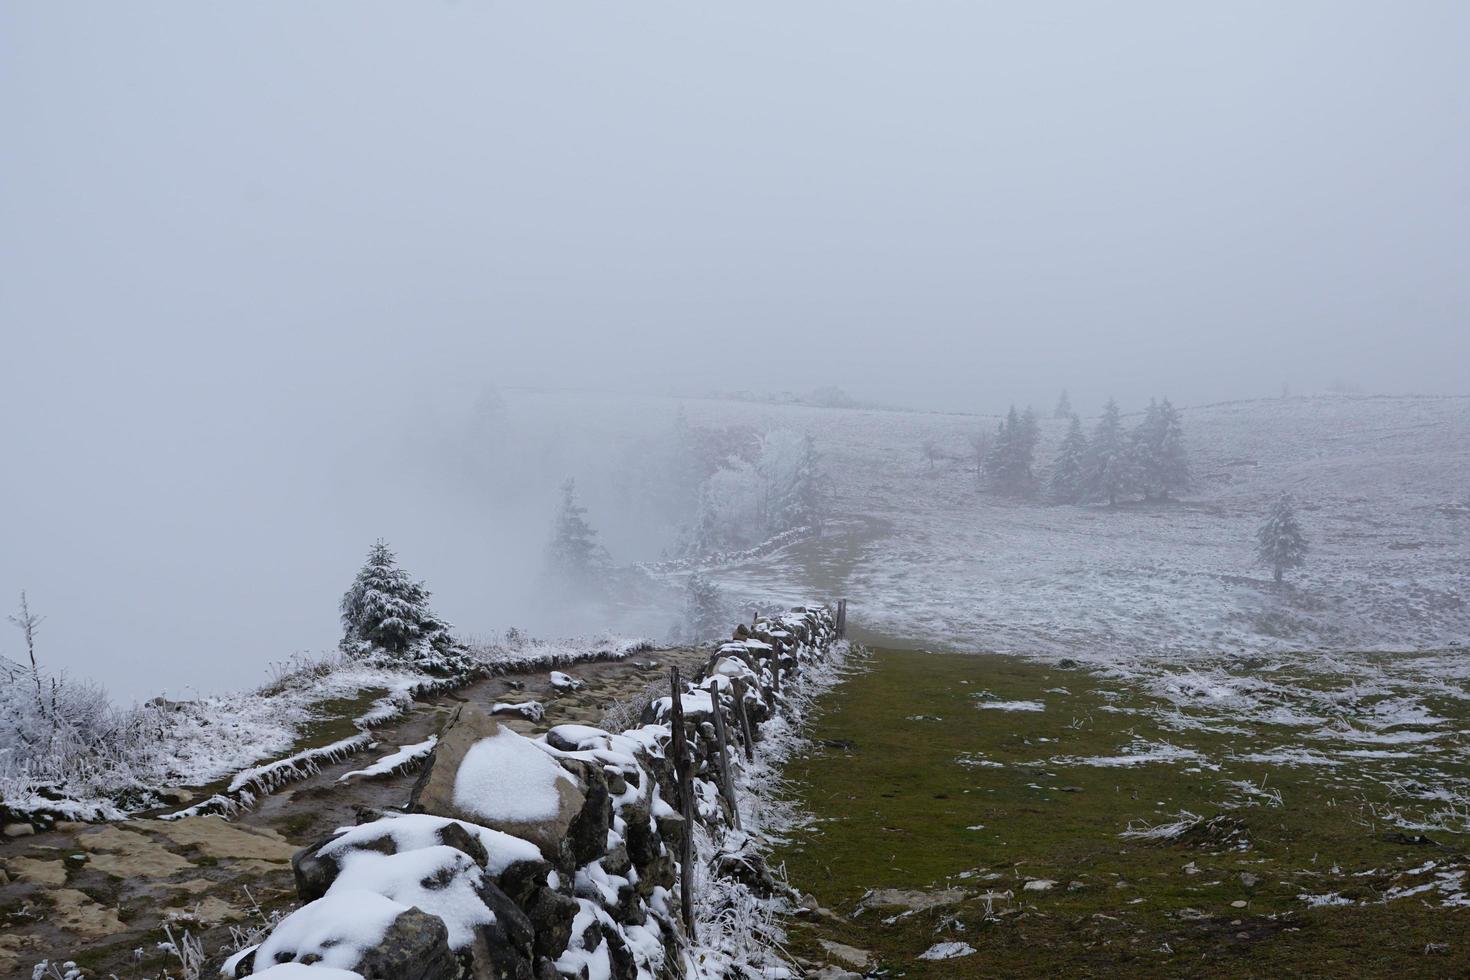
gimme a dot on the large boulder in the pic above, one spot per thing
(363, 932)
(438, 880)
(587, 833)
(551, 914)
(483, 772)
(502, 948)
(515, 864)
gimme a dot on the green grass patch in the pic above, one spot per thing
(938, 792)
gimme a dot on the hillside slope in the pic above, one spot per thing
(1384, 484)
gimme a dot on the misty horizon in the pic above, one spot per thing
(261, 261)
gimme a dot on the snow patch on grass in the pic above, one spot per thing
(947, 951)
(1011, 706)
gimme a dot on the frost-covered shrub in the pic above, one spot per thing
(706, 614)
(778, 487)
(520, 652)
(67, 740)
(624, 713)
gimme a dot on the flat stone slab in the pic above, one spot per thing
(847, 955)
(217, 838)
(77, 913)
(913, 899)
(40, 871)
(129, 854)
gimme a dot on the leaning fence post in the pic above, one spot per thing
(727, 780)
(746, 735)
(686, 802)
(842, 619)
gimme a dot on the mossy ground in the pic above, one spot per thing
(899, 810)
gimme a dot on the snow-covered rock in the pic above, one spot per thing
(529, 710)
(365, 933)
(564, 682)
(484, 773)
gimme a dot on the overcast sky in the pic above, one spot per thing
(231, 232)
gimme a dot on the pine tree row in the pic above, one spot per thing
(1114, 462)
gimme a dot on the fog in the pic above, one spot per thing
(258, 262)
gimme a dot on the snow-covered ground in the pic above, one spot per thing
(104, 772)
(1384, 489)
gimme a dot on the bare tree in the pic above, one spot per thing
(931, 452)
(28, 623)
(980, 441)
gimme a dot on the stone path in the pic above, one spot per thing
(94, 894)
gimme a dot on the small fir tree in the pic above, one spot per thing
(1011, 457)
(1172, 473)
(1109, 463)
(789, 468)
(1280, 542)
(574, 556)
(387, 610)
(809, 494)
(1064, 407)
(1141, 444)
(1068, 476)
(1159, 462)
(705, 613)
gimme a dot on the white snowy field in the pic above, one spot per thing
(1383, 483)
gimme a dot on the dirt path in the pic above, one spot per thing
(96, 894)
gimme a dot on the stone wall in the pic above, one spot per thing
(546, 858)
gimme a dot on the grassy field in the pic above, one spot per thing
(1317, 831)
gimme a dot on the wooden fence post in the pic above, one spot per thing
(727, 778)
(842, 619)
(746, 735)
(686, 802)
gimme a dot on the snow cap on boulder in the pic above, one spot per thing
(365, 933)
(487, 774)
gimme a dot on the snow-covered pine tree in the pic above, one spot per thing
(792, 491)
(1280, 543)
(705, 613)
(810, 491)
(1011, 458)
(1109, 473)
(1160, 464)
(1064, 407)
(685, 471)
(386, 609)
(1142, 450)
(574, 556)
(1069, 474)
(1170, 457)
(1026, 447)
